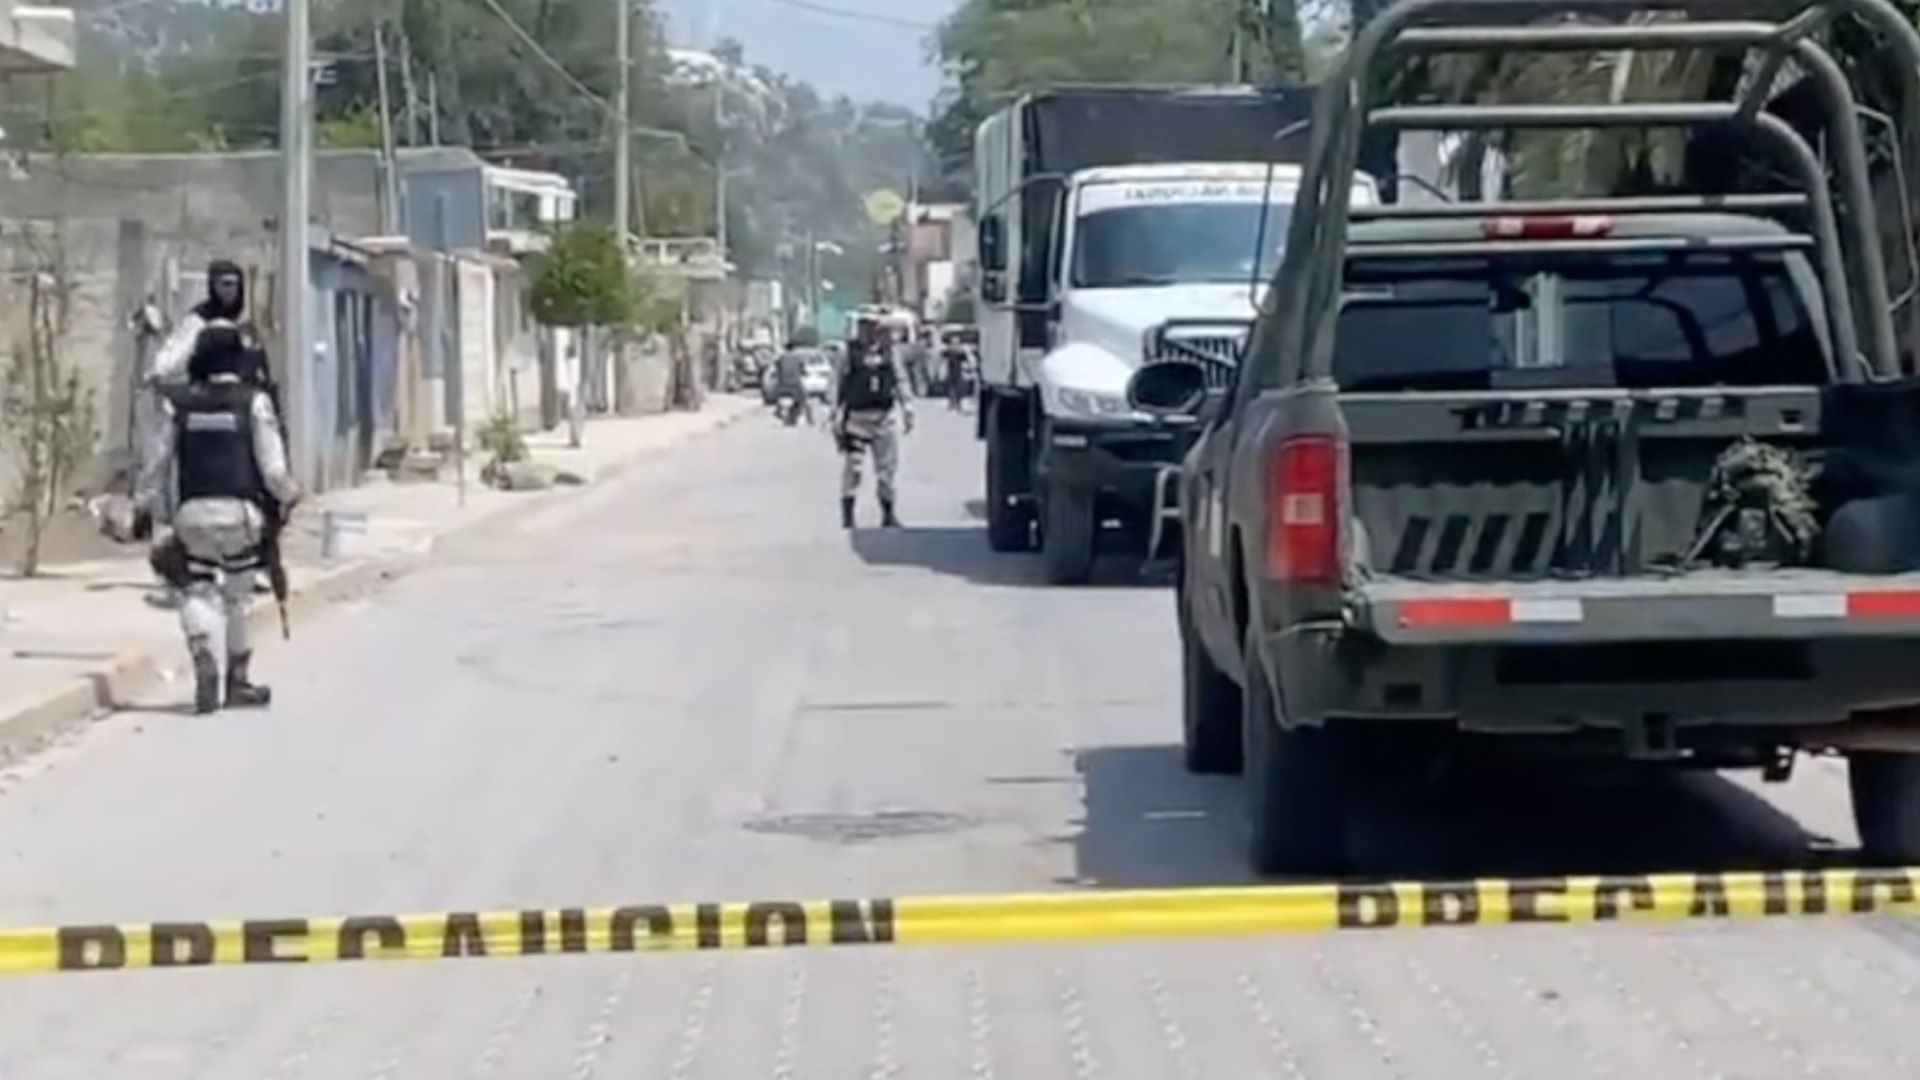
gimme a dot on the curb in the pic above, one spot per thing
(107, 688)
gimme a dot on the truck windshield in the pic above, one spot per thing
(1176, 243)
(1706, 319)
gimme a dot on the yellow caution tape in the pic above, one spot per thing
(935, 919)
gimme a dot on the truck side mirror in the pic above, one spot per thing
(1168, 389)
(993, 244)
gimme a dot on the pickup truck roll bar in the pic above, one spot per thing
(1631, 204)
(1348, 105)
(1772, 131)
(1836, 97)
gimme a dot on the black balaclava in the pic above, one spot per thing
(213, 307)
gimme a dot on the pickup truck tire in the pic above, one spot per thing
(1886, 805)
(1295, 786)
(1009, 523)
(1209, 708)
(1068, 528)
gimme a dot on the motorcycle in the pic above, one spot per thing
(787, 408)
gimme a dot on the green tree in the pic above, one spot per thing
(582, 280)
(993, 49)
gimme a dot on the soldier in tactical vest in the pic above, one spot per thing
(222, 444)
(869, 396)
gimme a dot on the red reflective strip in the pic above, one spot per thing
(1884, 604)
(1546, 228)
(1457, 611)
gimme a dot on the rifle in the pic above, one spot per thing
(276, 515)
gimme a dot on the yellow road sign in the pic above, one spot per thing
(885, 206)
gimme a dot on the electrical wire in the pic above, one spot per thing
(547, 58)
(857, 15)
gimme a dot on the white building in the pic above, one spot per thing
(35, 39)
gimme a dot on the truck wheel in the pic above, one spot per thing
(1295, 787)
(1209, 707)
(1067, 534)
(1886, 805)
(1009, 524)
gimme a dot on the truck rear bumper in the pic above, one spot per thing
(1556, 689)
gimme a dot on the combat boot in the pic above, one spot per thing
(206, 683)
(846, 512)
(887, 519)
(241, 693)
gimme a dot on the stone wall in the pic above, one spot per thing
(128, 228)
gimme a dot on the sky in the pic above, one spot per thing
(879, 57)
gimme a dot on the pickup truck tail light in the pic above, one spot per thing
(1559, 227)
(1303, 512)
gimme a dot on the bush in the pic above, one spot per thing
(501, 439)
(582, 280)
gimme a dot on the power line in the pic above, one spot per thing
(858, 16)
(546, 57)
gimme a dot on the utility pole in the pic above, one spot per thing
(433, 109)
(407, 89)
(623, 134)
(390, 208)
(1237, 47)
(813, 282)
(913, 162)
(719, 171)
(296, 141)
(622, 196)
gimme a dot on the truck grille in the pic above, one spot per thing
(1216, 352)
(1218, 348)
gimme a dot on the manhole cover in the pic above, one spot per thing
(852, 828)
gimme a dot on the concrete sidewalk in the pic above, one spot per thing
(83, 638)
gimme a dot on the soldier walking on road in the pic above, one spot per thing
(221, 443)
(870, 395)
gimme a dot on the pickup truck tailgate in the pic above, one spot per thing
(1708, 604)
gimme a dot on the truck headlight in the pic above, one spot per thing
(1099, 404)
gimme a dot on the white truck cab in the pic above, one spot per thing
(1125, 255)
(1155, 255)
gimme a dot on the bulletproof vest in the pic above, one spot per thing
(870, 387)
(213, 429)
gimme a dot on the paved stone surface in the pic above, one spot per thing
(688, 683)
(60, 630)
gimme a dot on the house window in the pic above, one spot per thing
(510, 209)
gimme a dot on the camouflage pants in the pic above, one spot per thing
(222, 540)
(878, 433)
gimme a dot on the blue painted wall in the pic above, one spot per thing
(355, 370)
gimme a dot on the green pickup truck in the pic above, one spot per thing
(1626, 475)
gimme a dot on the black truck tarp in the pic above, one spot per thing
(1074, 128)
(1079, 128)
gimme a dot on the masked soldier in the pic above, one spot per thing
(221, 443)
(870, 394)
(226, 301)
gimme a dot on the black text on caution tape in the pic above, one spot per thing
(478, 934)
(1609, 898)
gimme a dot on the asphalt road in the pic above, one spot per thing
(689, 684)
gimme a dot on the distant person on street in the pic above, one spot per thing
(220, 443)
(919, 358)
(954, 356)
(871, 393)
(789, 379)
